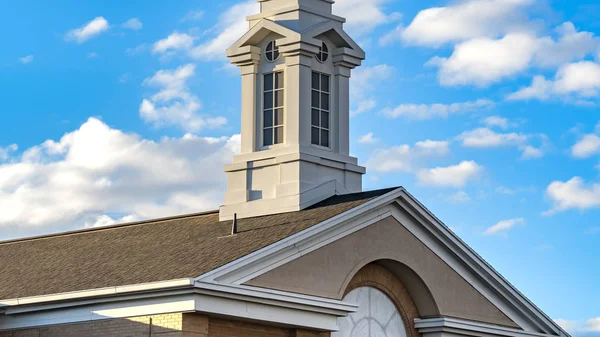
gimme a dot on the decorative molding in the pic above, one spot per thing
(174, 297)
(435, 326)
(431, 231)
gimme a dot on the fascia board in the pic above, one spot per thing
(480, 267)
(469, 263)
(238, 271)
(469, 328)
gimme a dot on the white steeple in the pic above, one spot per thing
(295, 64)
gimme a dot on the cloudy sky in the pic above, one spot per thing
(486, 110)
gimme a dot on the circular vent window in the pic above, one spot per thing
(323, 54)
(272, 51)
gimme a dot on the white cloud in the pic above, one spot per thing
(175, 41)
(573, 194)
(467, 19)
(484, 138)
(530, 152)
(452, 176)
(105, 220)
(26, 59)
(405, 158)
(92, 55)
(588, 146)
(363, 83)
(504, 226)
(429, 111)
(580, 80)
(496, 121)
(6, 151)
(96, 171)
(484, 61)
(363, 105)
(133, 23)
(193, 15)
(88, 31)
(487, 138)
(368, 139)
(363, 16)
(580, 327)
(174, 104)
(571, 45)
(231, 26)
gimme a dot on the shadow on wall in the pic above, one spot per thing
(170, 325)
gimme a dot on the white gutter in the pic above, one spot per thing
(100, 292)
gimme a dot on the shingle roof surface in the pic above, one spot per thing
(159, 250)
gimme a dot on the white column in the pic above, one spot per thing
(249, 107)
(342, 84)
(297, 92)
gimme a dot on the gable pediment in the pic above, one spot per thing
(394, 227)
(260, 31)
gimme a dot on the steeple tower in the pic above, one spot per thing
(295, 64)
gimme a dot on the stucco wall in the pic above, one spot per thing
(327, 271)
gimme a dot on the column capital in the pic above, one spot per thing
(345, 57)
(245, 56)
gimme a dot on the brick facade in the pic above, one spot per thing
(171, 325)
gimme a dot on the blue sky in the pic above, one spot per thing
(486, 110)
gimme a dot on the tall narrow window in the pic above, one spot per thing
(320, 109)
(273, 109)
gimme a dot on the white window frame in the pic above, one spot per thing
(262, 109)
(321, 110)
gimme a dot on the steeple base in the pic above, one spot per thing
(287, 183)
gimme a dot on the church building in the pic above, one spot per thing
(298, 249)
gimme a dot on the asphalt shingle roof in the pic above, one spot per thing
(150, 251)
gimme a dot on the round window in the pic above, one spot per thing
(272, 51)
(323, 54)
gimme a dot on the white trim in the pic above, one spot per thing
(176, 297)
(100, 292)
(488, 276)
(273, 256)
(469, 328)
(432, 232)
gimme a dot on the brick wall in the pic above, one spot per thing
(172, 325)
(162, 326)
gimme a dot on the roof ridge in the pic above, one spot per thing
(105, 228)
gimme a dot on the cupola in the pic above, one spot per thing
(295, 62)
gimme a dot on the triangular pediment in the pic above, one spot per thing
(260, 31)
(338, 36)
(440, 249)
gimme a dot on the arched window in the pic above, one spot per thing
(377, 316)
